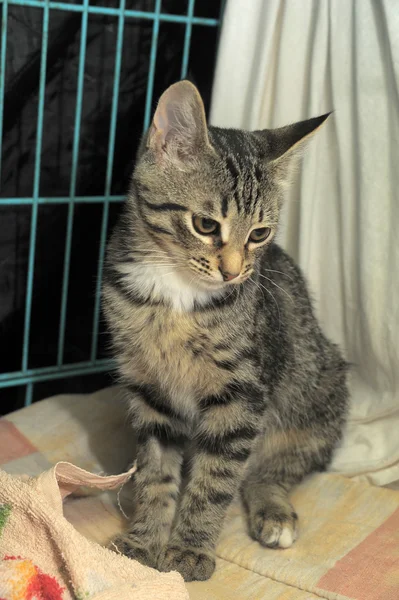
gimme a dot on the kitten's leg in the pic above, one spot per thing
(156, 481)
(156, 485)
(228, 427)
(278, 462)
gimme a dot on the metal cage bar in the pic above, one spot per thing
(103, 10)
(35, 208)
(72, 190)
(30, 376)
(108, 178)
(151, 75)
(58, 200)
(187, 39)
(3, 46)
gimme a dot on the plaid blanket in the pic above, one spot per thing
(348, 547)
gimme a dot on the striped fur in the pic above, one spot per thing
(235, 376)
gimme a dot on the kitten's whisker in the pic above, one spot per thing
(232, 292)
(238, 296)
(274, 271)
(165, 274)
(155, 257)
(157, 261)
(175, 270)
(160, 256)
(257, 283)
(150, 253)
(159, 265)
(279, 287)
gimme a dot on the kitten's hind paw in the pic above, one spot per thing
(127, 545)
(193, 565)
(274, 531)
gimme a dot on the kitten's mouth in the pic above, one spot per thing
(217, 284)
(205, 279)
(210, 284)
(238, 280)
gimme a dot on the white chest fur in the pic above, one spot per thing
(168, 284)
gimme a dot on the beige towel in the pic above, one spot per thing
(44, 558)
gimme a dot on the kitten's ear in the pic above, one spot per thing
(178, 131)
(285, 145)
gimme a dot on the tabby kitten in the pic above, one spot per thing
(215, 340)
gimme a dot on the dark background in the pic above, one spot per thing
(19, 139)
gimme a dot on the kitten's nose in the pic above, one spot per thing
(228, 276)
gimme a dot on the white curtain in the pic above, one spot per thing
(285, 60)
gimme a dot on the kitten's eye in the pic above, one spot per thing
(260, 235)
(205, 226)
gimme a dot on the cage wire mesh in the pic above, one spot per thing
(29, 373)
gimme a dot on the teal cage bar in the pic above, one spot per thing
(28, 376)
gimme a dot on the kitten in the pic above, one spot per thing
(215, 340)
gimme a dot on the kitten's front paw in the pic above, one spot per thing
(273, 530)
(193, 565)
(127, 545)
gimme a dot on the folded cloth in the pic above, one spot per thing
(44, 558)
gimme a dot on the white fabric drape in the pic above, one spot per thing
(281, 61)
